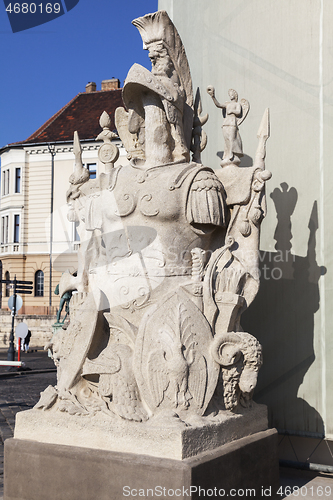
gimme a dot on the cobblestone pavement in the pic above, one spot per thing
(20, 391)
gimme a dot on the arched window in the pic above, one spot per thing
(7, 277)
(39, 284)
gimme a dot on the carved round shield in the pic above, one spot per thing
(76, 342)
(172, 362)
(108, 153)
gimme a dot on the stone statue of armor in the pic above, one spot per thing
(168, 260)
(155, 217)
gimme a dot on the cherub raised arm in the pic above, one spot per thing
(234, 113)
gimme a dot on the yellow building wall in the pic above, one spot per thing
(25, 267)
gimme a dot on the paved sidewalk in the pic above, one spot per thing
(20, 391)
(305, 484)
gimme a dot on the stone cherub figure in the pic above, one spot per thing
(168, 259)
(234, 113)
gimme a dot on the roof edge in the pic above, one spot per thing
(48, 122)
(18, 145)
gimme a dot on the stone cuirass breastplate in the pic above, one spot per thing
(145, 230)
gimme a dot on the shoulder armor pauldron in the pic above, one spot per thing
(206, 180)
(193, 169)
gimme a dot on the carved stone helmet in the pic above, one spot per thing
(170, 77)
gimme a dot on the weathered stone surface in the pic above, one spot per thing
(158, 438)
(155, 359)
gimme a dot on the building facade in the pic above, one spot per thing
(279, 55)
(37, 240)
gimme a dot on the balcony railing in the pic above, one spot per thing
(9, 247)
(73, 246)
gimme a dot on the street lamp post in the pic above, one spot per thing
(11, 350)
(53, 153)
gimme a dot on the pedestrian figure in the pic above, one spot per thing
(27, 341)
(17, 345)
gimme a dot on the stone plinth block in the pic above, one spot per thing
(165, 438)
(244, 468)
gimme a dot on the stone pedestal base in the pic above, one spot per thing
(159, 438)
(246, 468)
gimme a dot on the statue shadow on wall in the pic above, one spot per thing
(282, 318)
(246, 160)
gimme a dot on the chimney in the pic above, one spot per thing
(90, 87)
(112, 84)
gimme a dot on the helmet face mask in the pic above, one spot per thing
(161, 61)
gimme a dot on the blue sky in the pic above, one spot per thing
(44, 67)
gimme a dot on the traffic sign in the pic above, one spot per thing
(21, 330)
(19, 286)
(15, 303)
(18, 282)
(24, 288)
(19, 302)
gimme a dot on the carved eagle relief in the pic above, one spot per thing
(169, 364)
(117, 385)
(172, 363)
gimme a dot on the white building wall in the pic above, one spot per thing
(33, 204)
(278, 54)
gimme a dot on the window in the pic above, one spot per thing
(92, 170)
(4, 229)
(39, 284)
(5, 182)
(18, 180)
(7, 277)
(16, 228)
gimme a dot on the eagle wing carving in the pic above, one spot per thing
(197, 379)
(158, 375)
